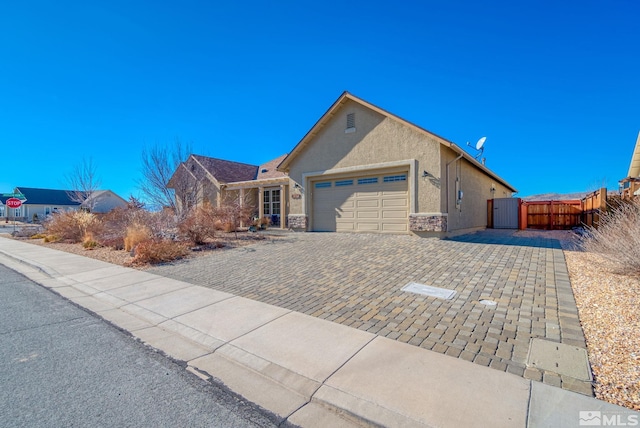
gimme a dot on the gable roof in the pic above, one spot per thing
(345, 97)
(634, 166)
(227, 171)
(98, 194)
(37, 196)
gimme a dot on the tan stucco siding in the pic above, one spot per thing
(377, 139)
(476, 186)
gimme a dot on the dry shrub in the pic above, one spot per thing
(89, 242)
(200, 224)
(617, 238)
(135, 234)
(71, 226)
(156, 251)
(116, 222)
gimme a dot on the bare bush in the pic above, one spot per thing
(617, 238)
(200, 223)
(116, 222)
(71, 226)
(236, 211)
(156, 251)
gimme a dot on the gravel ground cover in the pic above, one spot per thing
(608, 306)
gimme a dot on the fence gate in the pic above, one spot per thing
(505, 213)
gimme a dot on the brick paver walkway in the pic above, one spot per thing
(356, 280)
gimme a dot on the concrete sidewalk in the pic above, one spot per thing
(311, 371)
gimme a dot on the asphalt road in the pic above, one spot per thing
(61, 366)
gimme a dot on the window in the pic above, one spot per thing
(371, 180)
(323, 185)
(271, 202)
(344, 183)
(351, 123)
(392, 178)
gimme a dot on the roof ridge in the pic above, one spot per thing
(224, 160)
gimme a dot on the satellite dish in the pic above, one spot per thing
(480, 143)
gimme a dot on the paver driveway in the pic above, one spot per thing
(356, 280)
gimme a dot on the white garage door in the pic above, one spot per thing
(377, 204)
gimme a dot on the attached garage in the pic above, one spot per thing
(366, 203)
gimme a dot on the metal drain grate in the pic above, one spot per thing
(428, 290)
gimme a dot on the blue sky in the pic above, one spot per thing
(554, 86)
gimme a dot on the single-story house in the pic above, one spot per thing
(630, 185)
(43, 202)
(358, 169)
(104, 201)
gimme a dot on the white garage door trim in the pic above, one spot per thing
(374, 203)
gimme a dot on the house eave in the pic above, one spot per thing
(253, 184)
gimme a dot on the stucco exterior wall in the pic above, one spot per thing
(471, 211)
(377, 139)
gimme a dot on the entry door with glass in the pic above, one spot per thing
(272, 205)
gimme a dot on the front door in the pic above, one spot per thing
(272, 205)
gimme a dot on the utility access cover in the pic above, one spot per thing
(428, 290)
(559, 358)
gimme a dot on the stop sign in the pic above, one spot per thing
(13, 203)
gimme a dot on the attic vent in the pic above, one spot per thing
(351, 123)
(264, 170)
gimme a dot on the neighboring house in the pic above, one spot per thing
(43, 202)
(360, 169)
(104, 201)
(630, 186)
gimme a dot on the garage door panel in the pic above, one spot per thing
(368, 203)
(345, 227)
(399, 202)
(346, 215)
(394, 228)
(368, 215)
(368, 227)
(393, 214)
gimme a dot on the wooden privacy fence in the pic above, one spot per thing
(549, 214)
(593, 205)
